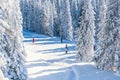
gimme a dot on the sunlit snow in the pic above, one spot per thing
(46, 60)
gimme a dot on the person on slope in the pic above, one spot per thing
(33, 40)
(66, 49)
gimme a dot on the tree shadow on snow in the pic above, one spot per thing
(57, 50)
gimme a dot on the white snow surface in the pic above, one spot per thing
(46, 60)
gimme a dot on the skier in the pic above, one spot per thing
(66, 49)
(33, 40)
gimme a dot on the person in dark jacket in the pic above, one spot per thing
(66, 49)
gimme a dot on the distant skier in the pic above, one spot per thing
(66, 49)
(33, 40)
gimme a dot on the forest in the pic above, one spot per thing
(94, 26)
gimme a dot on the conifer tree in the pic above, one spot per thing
(66, 28)
(108, 53)
(86, 33)
(11, 46)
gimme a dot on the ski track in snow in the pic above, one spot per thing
(46, 60)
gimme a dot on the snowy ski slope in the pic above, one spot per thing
(46, 60)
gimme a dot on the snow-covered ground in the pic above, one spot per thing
(46, 60)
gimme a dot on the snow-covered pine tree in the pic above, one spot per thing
(11, 46)
(96, 5)
(86, 33)
(56, 15)
(25, 9)
(66, 28)
(55, 19)
(38, 16)
(74, 12)
(48, 18)
(108, 53)
(28, 14)
(101, 26)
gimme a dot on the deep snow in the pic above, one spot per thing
(46, 60)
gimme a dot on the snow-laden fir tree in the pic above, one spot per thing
(43, 17)
(108, 53)
(86, 33)
(11, 47)
(101, 24)
(74, 12)
(37, 14)
(66, 28)
(25, 9)
(102, 19)
(48, 18)
(96, 5)
(55, 19)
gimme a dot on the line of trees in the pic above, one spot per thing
(49, 17)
